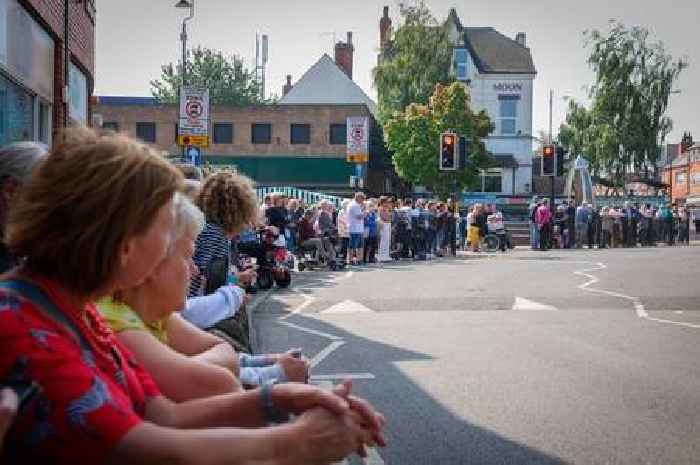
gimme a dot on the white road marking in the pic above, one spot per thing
(530, 305)
(308, 300)
(342, 376)
(344, 276)
(325, 385)
(348, 306)
(319, 357)
(678, 312)
(373, 457)
(638, 305)
(311, 331)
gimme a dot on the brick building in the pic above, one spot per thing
(276, 145)
(682, 174)
(45, 80)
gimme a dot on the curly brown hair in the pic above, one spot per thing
(228, 200)
(93, 193)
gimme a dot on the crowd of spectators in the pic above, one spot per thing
(571, 226)
(107, 305)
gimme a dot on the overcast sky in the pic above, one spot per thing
(134, 37)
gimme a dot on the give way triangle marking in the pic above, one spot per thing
(524, 304)
(347, 306)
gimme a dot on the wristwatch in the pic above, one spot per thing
(270, 413)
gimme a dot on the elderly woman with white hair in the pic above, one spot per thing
(185, 361)
(16, 164)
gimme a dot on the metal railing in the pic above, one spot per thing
(309, 197)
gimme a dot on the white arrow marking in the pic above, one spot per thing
(325, 353)
(347, 306)
(524, 304)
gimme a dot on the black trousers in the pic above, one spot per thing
(370, 251)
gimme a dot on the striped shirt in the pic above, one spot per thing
(211, 243)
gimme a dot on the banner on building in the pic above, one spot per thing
(358, 139)
(193, 124)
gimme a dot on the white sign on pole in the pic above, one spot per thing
(358, 139)
(193, 124)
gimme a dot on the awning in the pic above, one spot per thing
(506, 161)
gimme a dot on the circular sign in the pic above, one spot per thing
(194, 109)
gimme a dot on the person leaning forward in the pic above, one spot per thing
(97, 217)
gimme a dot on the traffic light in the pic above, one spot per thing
(560, 160)
(448, 152)
(549, 160)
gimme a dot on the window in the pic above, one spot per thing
(491, 180)
(111, 126)
(508, 113)
(460, 58)
(300, 133)
(339, 134)
(146, 132)
(16, 113)
(261, 133)
(680, 178)
(223, 133)
(77, 96)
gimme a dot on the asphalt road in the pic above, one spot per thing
(586, 357)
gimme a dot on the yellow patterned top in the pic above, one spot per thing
(121, 317)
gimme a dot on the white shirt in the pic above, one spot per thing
(495, 222)
(356, 218)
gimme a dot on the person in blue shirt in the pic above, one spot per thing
(371, 244)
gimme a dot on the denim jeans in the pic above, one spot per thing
(534, 235)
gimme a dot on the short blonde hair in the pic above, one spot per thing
(228, 200)
(93, 193)
(189, 220)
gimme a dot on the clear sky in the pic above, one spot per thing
(134, 37)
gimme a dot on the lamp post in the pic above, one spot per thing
(183, 37)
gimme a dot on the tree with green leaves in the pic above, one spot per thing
(624, 127)
(228, 80)
(417, 58)
(414, 138)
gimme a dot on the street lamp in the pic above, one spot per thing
(183, 36)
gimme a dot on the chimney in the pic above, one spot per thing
(288, 86)
(521, 38)
(344, 52)
(384, 28)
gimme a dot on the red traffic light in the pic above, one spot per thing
(449, 139)
(548, 151)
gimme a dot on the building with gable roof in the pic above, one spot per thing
(499, 72)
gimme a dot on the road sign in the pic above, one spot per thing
(194, 155)
(197, 141)
(193, 124)
(358, 139)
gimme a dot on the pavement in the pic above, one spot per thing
(574, 356)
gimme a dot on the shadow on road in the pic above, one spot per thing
(420, 429)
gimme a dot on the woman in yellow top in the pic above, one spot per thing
(186, 362)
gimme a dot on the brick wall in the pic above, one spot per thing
(319, 117)
(81, 42)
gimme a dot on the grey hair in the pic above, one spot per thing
(189, 220)
(17, 160)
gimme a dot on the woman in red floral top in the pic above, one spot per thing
(97, 216)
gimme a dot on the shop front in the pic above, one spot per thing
(26, 76)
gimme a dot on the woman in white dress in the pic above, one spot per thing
(385, 211)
